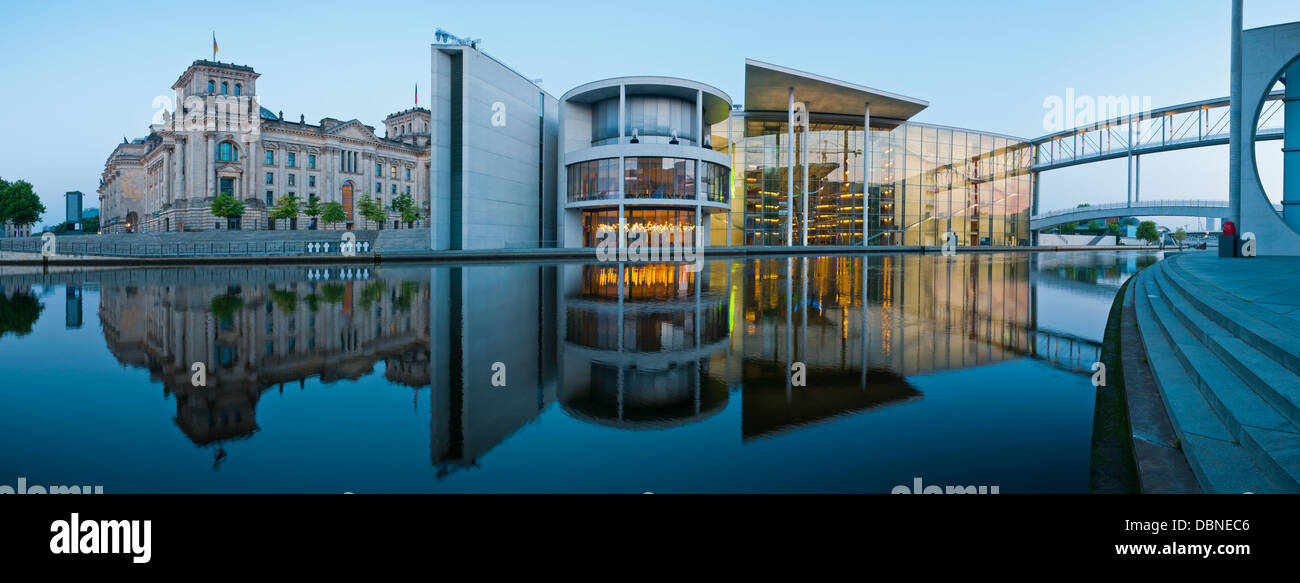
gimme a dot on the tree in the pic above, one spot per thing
(1147, 232)
(286, 209)
(18, 313)
(19, 204)
(227, 207)
(90, 225)
(333, 213)
(313, 208)
(404, 204)
(1179, 235)
(368, 209)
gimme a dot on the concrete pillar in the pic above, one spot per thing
(1235, 141)
(803, 194)
(208, 178)
(1291, 149)
(866, 171)
(789, 174)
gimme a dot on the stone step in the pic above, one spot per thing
(1236, 405)
(1274, 383)
(1220, 463)
(1268, 335)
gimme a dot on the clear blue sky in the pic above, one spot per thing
(79, 76)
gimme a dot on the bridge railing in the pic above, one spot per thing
(1140, 204)
(1187, 125)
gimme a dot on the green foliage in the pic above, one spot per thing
(406, 297)
(333, 292)
(334, 213)
(286, 300)
(225, 306)
(19, 203)
(313, 301)
(227, 207)
(372, 293)
(367, 208)
(1179, 235)
(285, 208)
(313, 208)
(1147, 232)
(18, 313)
(404, 204)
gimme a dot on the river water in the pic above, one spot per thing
(754, 375)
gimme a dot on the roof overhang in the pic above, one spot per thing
(767, 89)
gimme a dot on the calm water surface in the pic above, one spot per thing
(964, 370)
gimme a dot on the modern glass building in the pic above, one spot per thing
(923, 180)
(795, 164)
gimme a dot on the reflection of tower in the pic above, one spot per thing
(638, 340)
(257, 328)
(479, 316)
(72, 307)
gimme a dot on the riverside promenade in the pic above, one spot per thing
(1221, 340)
(405, 245)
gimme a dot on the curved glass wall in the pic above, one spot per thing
(924, 180)
(656, 118)
(593, 180)
(715, 180)
(646, 177)
(650, 219)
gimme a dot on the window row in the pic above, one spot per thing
(291, 159)
(647, 177)
(225, 87)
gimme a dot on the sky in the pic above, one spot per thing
(80, 76)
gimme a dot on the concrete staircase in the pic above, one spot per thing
(1229, 376)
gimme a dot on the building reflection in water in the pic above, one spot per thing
(632, 346)
(276, 327)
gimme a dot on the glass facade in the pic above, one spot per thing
(924, 180)
(715, 180)
(639, 217)
(659, 178)
(593, 180)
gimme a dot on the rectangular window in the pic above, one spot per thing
(408, 189)
(270, 197)
(379, 170)
(292, 177)
(408, 173)
(311, 161)
(270, 158)
(270, 178)
(394, 186)
(379, 187)
(293, 160)
(394, 173)
(311, 181)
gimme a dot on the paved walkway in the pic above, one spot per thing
(1222, 341)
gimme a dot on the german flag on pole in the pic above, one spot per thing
(214, 45)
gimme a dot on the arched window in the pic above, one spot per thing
(227, 152)
(238, 89)
(212, 86)
(225, 88)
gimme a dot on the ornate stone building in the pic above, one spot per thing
(221, 140)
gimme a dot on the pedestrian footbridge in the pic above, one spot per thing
(1172, 208)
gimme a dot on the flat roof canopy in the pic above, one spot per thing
(767, 89)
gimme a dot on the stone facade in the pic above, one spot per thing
(220, 139)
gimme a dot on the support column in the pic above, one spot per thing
(208, 178)
(1291, 149)
(803, 194)
(789, 174)
(1137, 178)
(866, 172)
(1235, 141)
(1130, 161)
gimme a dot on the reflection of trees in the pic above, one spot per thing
(286, 300)
(333, 292)
(18, 313)
(225, 306)
(372, 293)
